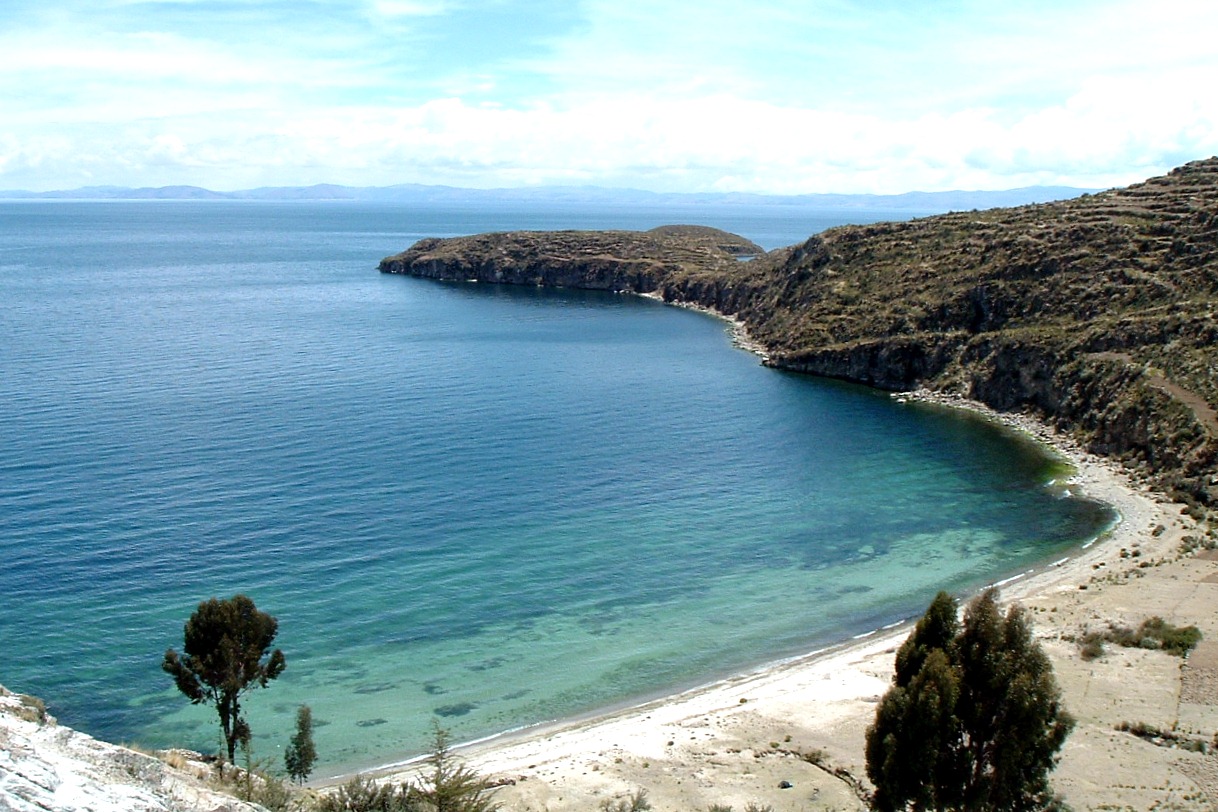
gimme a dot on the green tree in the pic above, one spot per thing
(1011, 710)
(362, 794)
(225, 656)
(937, 629)
(911, 752)
(447, 786)
(973, 720)
(452, 786)
(299, 757)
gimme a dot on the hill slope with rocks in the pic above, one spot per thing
(45, 767)
(635, 261)
(1096, 314)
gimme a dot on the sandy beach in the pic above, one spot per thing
(791, 736)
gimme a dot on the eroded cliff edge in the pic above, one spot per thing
(45, 767)
(1096, 314)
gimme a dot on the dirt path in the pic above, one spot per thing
(1198, 405)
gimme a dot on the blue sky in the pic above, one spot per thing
(776, 96)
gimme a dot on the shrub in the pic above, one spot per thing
(1156, 633)
(1164, 738)
(452, 786)
(31, 709)
(1091, 646)
(816, 757)
(362, 794)
(635, 802)
(449, 787)
(255, 784)
(1178, 640)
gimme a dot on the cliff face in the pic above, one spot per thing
(1095, 313)
(45, 767)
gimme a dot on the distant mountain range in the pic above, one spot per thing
(439, 195)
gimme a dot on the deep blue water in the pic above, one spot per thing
(497, 505)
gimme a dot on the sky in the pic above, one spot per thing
(768, 96)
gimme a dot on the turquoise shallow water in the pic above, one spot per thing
(498, 506)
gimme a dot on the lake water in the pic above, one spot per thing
(496, 506)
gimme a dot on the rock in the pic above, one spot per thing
(50, 768)
(595, 260)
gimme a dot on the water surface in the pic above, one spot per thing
(498, 506)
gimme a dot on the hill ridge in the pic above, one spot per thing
(1096, 314)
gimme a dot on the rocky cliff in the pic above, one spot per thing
(45, 767)
(1096, 313)
(636, 261)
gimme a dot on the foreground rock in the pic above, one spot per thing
(1096, 314)
(44, 766)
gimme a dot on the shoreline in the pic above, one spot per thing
(790, 735)
(738, 330)
(890, 634)
(801, 721)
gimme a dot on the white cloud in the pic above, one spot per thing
(712, 142)
(774, 97)
(154, 59)
(409, 8)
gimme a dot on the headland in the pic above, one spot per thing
(1095, 315)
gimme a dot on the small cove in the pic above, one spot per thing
(497, 506)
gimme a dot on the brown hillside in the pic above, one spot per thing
(1095, 313)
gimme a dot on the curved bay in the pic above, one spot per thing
(496, 505)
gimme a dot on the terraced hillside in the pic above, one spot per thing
(1096, 313)
(637, 261)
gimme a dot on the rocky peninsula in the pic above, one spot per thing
(1095, 314)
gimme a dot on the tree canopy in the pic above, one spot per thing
(301, 752)
(225, 645)
(973, 720)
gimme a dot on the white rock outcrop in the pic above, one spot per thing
(46, 767)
